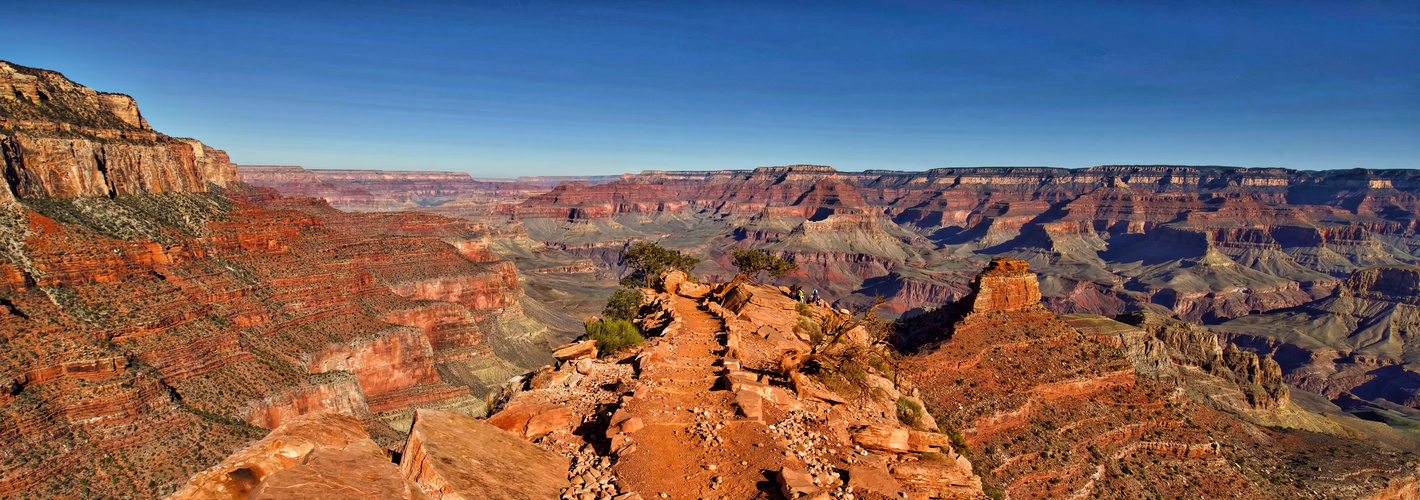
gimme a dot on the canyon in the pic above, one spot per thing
(1210, 246)
(178, 326)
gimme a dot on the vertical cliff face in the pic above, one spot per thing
(59, 139)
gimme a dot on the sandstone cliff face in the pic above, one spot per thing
(1207, 243)
(59, 139)
(172, 324)
(447, 193)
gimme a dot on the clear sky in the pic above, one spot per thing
(508, 88)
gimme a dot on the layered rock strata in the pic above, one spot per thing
(1205, 243)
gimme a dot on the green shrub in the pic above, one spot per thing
(624, 304)
(753, 262)
(909, 412)
(992, 492)
(613, 335)
(807, 327)
(958, 441)
(646, 261)
(802, 309)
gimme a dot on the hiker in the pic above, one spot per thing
(813, 299)
(794, 291)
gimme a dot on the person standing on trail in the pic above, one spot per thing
(813, 299)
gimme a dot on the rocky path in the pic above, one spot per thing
(699, 412)
(693, 443)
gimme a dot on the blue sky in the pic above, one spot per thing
(508, 88)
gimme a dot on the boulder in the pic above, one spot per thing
(551, 379)
(453, 456)
(532, 421)
(576, 350)
(776, 395)
(339, 474)
(793, 483)
(693, 290)
(750, 405)
(671, 281)
(623, 423)
(899, 440)
(874, 479)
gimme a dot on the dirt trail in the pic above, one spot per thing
(691, 424)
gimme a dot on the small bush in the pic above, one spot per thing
(624, 304)
(810, 329)
(909, 413)
(802, 309)
(992, 492)
(613, 335)
(958, 441)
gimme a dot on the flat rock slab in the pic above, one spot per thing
(585, 349)
(452, 456)
(329, 474)
(286, 447)
(873, 478)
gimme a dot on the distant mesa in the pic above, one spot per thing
(1392, 283)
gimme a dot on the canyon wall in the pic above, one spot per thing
(156, 313)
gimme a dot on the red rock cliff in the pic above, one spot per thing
(59, 139)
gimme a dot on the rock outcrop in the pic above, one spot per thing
(1258, 375)
(1355, 342)
(1006, 285)
(59, 139)
(320, 455)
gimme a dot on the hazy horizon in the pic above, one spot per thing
(509, 89)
